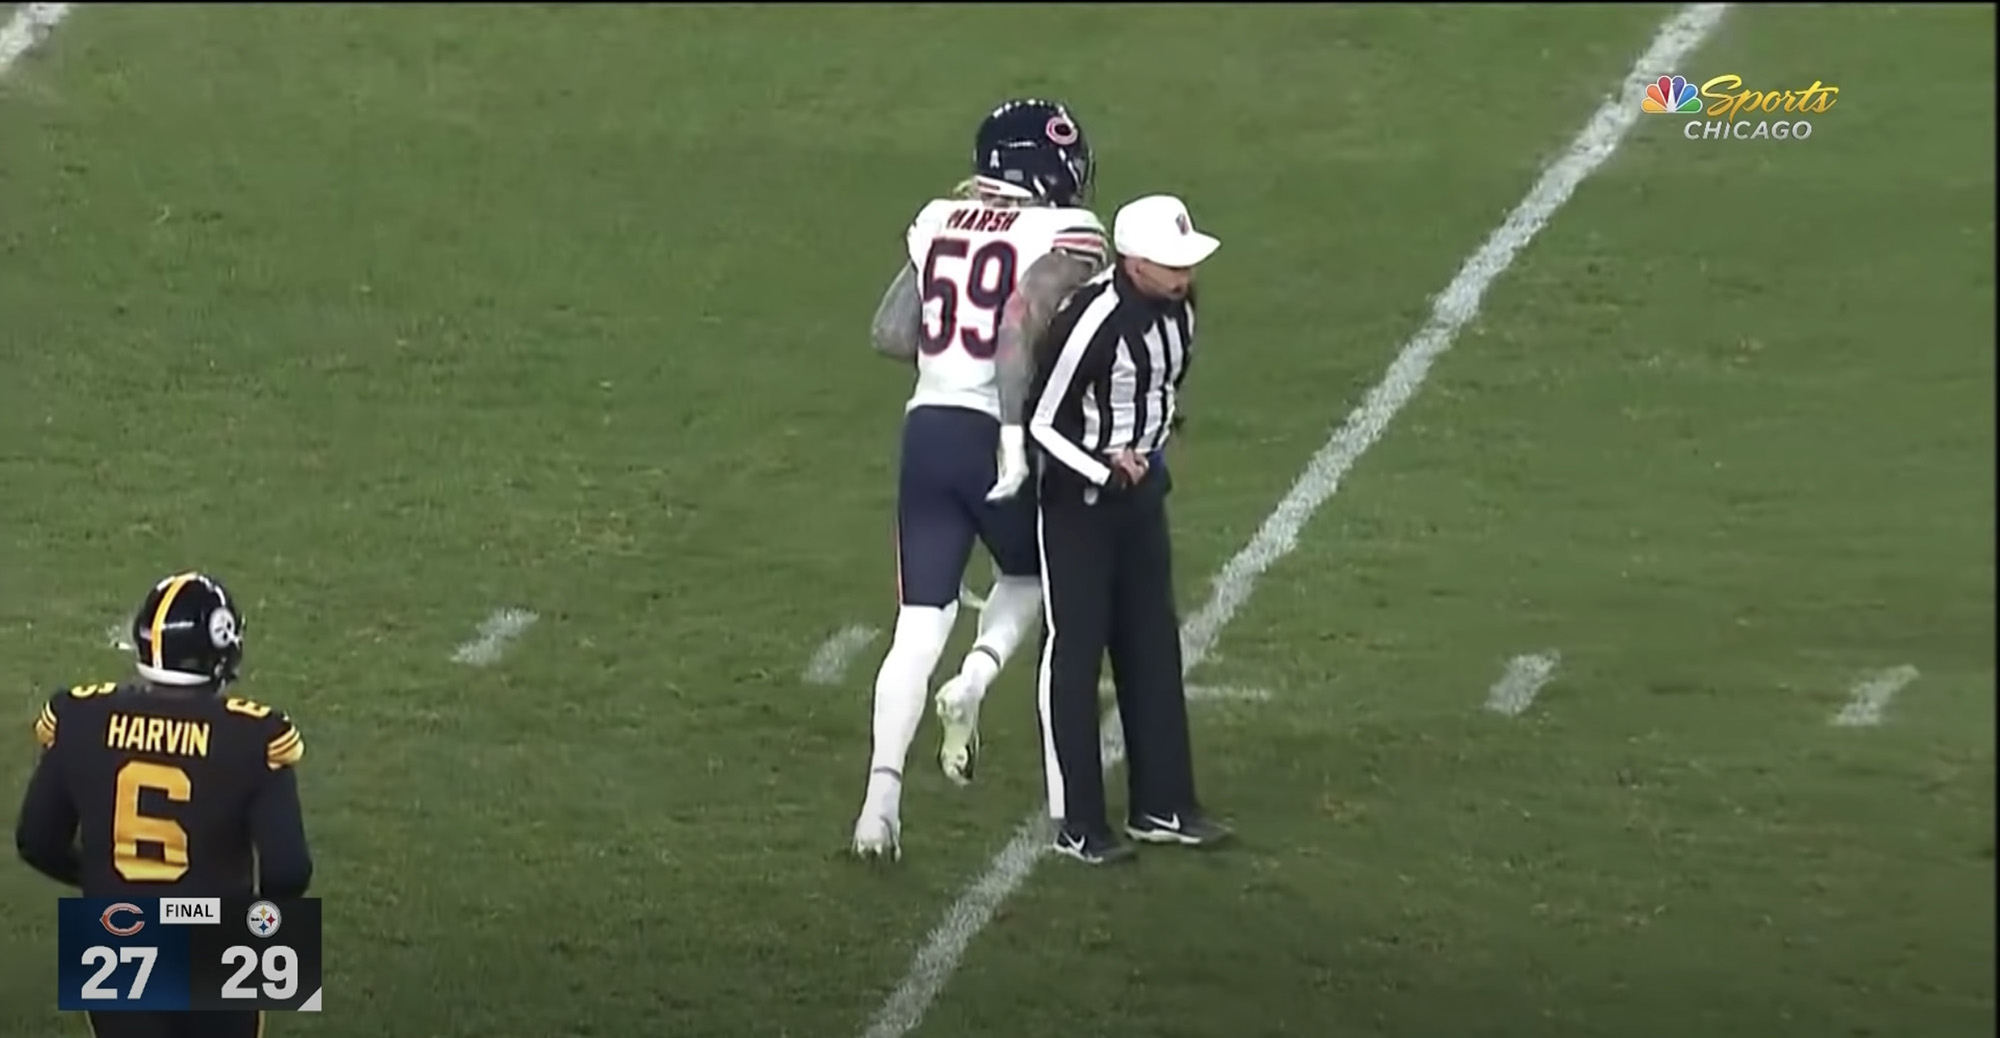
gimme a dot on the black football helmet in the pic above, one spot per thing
(1033, 150)
(188, 633)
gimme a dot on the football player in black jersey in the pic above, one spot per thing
(170, 785)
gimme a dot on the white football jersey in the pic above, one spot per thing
(969, 255)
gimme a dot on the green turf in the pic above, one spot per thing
(395, 317)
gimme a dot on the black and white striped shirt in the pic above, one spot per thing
(1108, 375)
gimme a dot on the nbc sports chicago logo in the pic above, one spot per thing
(1732, 113)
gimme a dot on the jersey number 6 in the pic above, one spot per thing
(986, 284)
(130, 827)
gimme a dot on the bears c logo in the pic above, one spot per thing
(123, 908)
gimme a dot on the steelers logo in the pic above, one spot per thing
(264, 919)
(223, 631)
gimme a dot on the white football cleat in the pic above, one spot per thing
(958, 711)
(878, 836)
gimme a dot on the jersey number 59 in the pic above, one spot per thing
(981, 282)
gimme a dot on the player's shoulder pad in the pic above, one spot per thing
(284, 747)
(62, 700)
(1080, 218)
(930, 219)
(1081, 233)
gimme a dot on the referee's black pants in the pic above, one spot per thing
(1107, 566)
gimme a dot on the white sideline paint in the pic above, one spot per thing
(943, 949)
(495, 633)
(1871, 695)
(1523, 680)
(30, 24)
(829, 662)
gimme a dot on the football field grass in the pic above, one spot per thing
(393, 318)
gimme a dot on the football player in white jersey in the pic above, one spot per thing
(987, 269)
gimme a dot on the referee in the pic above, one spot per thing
(1108, 375)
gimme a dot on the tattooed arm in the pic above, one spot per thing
(898, 317)
(1047, 282)
(1022, 324)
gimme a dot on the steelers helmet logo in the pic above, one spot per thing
(223, 630)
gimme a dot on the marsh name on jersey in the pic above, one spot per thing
(969, 256)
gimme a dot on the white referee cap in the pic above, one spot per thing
(1157, 228)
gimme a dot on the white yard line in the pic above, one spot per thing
(944, 948)
(29, 25)
(1515, 692)
(495, 634)
(1871, 695)
(829, 662)
(1237, 693)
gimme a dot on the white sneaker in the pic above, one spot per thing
(878, 835)
(958, 710)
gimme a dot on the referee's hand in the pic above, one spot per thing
(1127, 468)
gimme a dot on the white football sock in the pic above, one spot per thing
(1013, 609)
(902, 689)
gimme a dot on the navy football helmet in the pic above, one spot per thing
(1033, 150)
(188, 632)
